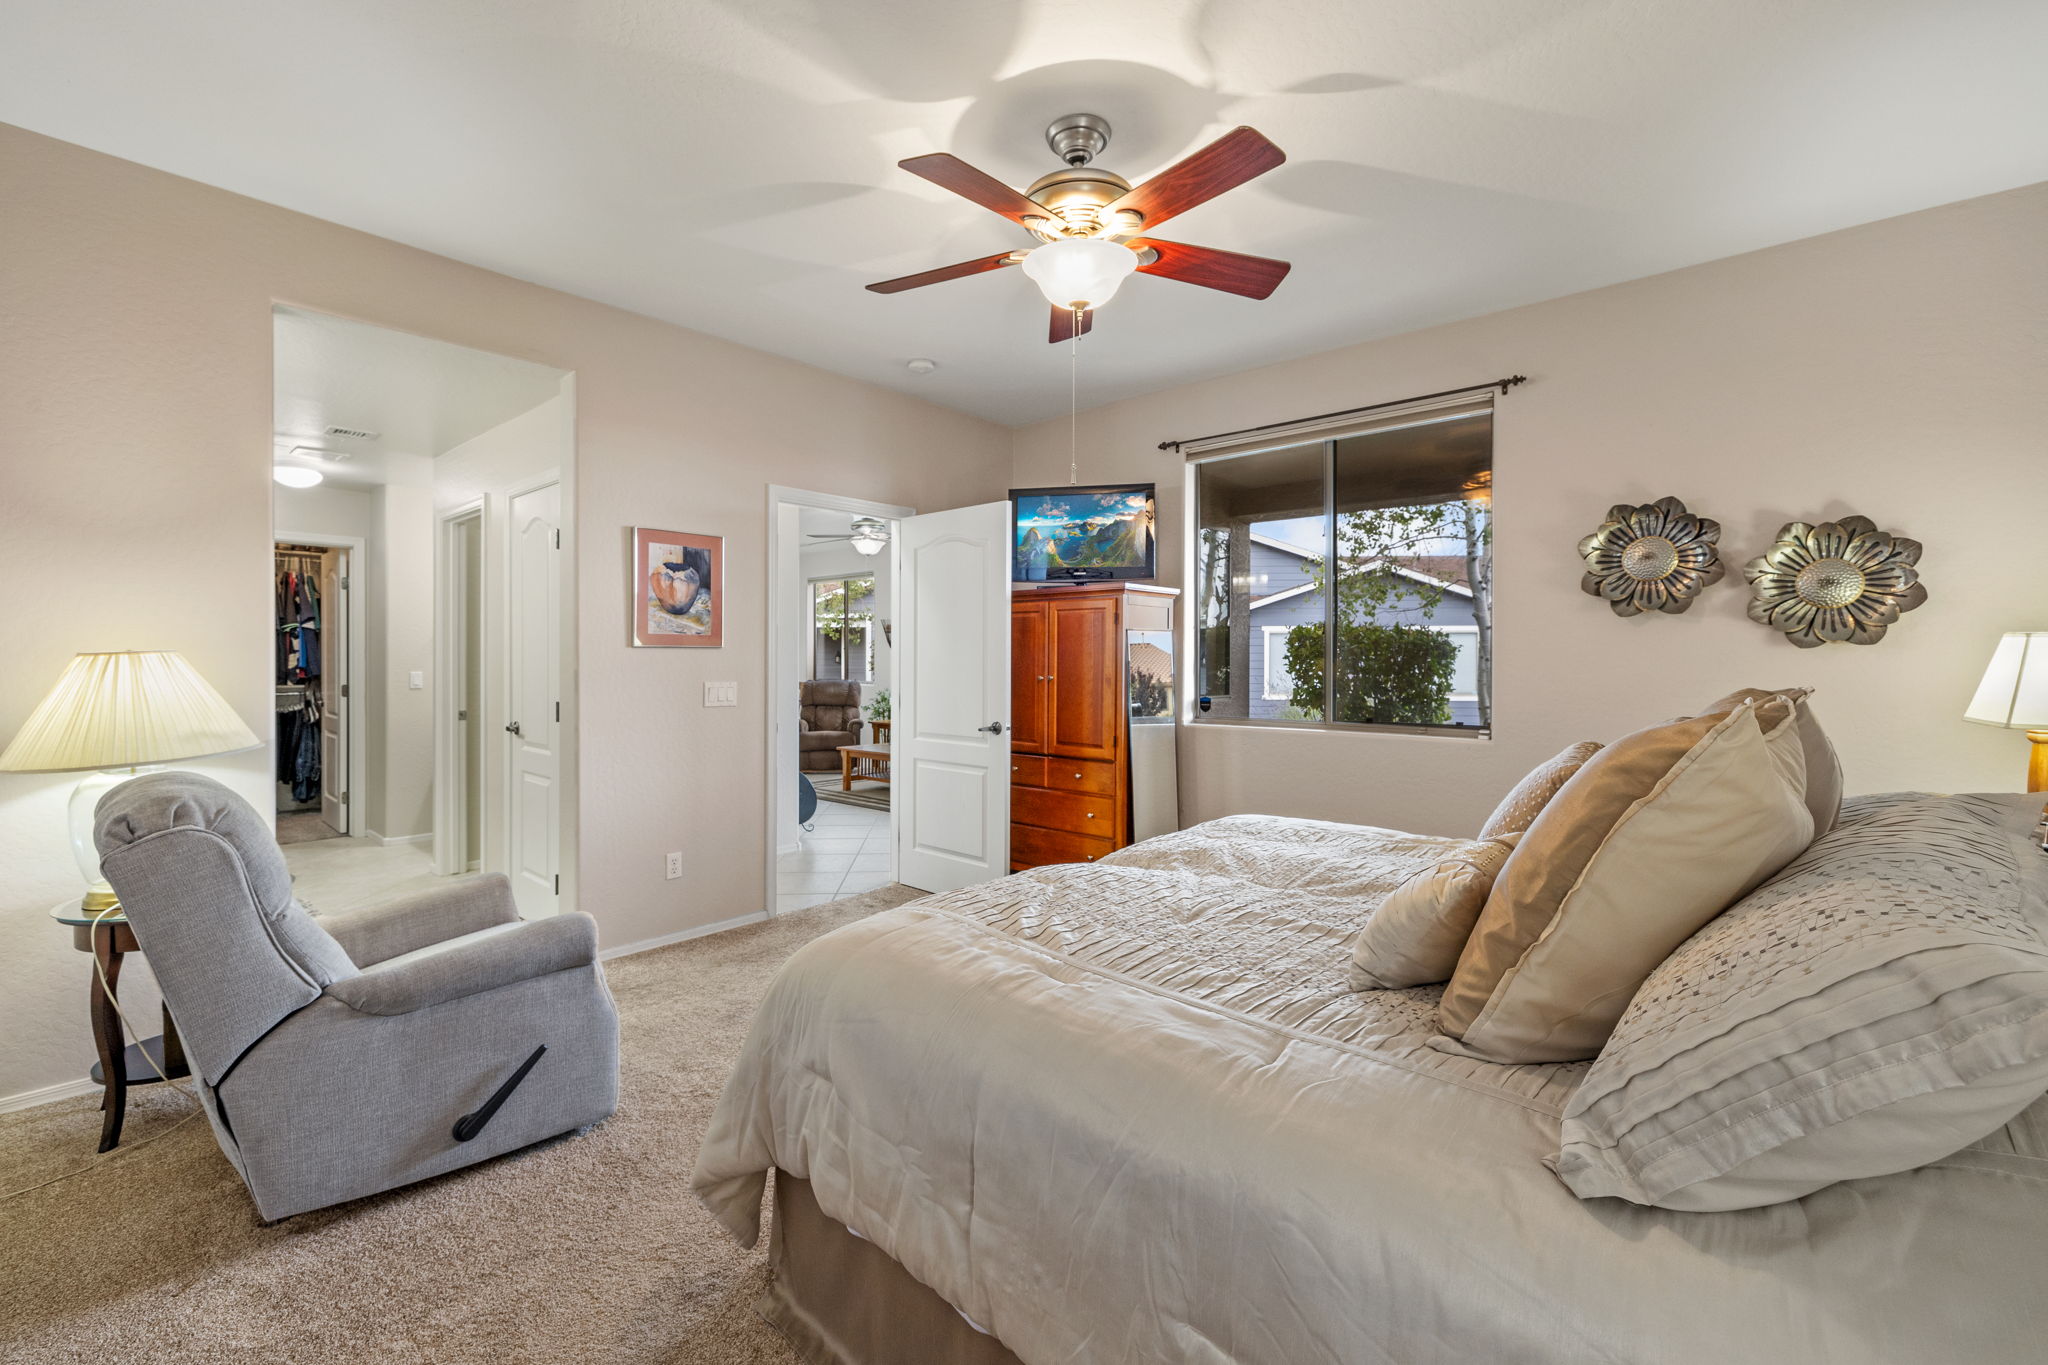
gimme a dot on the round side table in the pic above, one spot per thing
(109, 939)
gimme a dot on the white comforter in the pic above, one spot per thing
(1130, 1112)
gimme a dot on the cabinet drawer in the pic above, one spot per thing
(1079, 775)
(1033, 847)
(1027, 770)
(1072, 811)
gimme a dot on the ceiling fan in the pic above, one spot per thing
(1094, 227)
(868, 535)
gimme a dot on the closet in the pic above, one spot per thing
(304, 575)
(1091, 721)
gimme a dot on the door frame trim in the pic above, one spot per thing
(358, 664)
(450, 800)
(781, 668)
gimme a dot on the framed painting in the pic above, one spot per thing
(677, 590)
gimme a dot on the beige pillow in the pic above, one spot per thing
(1878, 1006)
(1823, 767)
(1520, 807)
(1656, 835)
(1415, 936)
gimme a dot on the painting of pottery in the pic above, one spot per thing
(677, 589)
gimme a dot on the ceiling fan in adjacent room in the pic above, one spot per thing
(1094, 227)
(868, 535)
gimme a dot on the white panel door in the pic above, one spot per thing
(533, 731)
(951, 759)
(334, 698)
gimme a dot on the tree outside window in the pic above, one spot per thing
(842, 629)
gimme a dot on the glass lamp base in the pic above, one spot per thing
(84, 800)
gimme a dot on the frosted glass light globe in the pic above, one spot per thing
(295, 476)
(1079, 272)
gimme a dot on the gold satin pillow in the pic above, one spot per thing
(1415, 936)
(1654, 836)
(1520, 807)
(1823, 767)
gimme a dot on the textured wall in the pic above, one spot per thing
(135, 449)
(1892, 369)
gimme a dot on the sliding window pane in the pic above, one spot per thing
(1414, 597)
(1261, 538)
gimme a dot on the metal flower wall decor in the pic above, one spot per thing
(1841, 581)
(1656, 557)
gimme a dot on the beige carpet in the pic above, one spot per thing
(583, 1249)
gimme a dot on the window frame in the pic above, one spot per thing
(846, 624)
(1422, 415)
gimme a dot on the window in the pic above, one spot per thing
(1351, 573)
(842, 629)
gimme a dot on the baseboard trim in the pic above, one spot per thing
(394, 840)
(49, 1094)
(682, 936)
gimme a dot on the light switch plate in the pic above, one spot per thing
(721, 694)
(415, 680)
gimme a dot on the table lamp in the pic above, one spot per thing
(109, 715)
(2014, 696)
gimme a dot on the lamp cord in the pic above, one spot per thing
(100, 970)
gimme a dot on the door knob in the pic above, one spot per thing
(992, 728)
(513, 729)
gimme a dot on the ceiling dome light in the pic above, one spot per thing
(1079, 272)
(296, 476)
(869, 536)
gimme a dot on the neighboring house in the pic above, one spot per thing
(1286, 597)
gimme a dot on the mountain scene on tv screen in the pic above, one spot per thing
(1083, 531)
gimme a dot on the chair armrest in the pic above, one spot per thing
(405, 924)
(503, 957)
(853, 728)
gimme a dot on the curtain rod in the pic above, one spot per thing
(1502, 384)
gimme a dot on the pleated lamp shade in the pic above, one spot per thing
(125, 711)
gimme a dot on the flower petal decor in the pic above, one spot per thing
(1838, 582)
(1656, 557)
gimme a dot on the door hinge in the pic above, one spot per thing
(558, 883)
(558, 537)
(344, 798)
(344, 582)
(558, 713)
(344, 689)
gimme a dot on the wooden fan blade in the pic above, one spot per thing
(949, 172)
(1239, 155)
(1255, 277)
(943, 273)
(1063, 328)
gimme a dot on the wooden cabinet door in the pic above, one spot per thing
(1030, 662)
(1085, 715)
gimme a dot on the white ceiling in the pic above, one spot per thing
(422, 397)
(729, 164)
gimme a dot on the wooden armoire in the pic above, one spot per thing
(1071, 793)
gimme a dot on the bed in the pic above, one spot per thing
(1131, 1111)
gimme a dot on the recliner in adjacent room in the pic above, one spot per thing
(828, 719)
(335, 1056)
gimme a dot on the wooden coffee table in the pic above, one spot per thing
(869, 762)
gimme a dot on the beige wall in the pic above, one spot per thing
(135, 448)
(1893, 369)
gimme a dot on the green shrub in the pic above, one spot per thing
(1386, 675)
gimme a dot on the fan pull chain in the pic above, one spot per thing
(1074, 403)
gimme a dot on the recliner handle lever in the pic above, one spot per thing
(470, 1124)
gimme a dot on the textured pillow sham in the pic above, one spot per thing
(1416, 934)
(1823, 766)
(1654, 836)
(1520, 807)
(1880, 1004)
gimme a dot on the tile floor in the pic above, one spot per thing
(845, 853)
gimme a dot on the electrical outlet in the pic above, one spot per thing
(721, 694)
(675, 866)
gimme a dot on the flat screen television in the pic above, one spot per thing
(1082, 534)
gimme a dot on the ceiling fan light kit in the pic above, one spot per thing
(1088, 221)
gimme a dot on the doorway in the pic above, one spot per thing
(406, 465)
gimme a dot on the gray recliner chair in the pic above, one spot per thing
(340, 1056)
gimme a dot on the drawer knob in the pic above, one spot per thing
(1077, 777)
(1091, 815)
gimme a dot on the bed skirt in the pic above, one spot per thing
(842, 1301)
